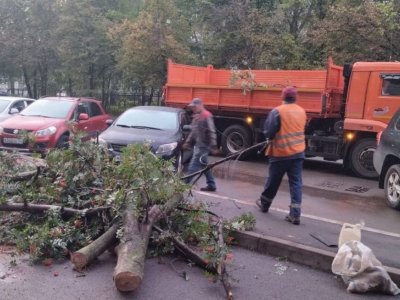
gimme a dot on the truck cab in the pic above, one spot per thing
(372, 98)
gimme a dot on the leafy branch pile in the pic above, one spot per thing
(245, 79)
(79, 202)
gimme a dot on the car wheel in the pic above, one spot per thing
(63, 142)
(392, 186)
(361, 158)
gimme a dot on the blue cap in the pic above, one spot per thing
(195, 102)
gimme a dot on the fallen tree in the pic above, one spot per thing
(80, 202)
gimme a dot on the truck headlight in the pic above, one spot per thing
(46, 132)
(166, 148)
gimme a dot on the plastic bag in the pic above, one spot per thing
(361, 270)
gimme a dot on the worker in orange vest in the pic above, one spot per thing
(284, 128)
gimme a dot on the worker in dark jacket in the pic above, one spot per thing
(284, 128)
(204, 139)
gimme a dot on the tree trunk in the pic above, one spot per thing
(150, 98)
(12, 85)
(103, 89)
(27, 82)
(91, 80)
(129, 271)
(43, 70)
(69, 90)
(143, 100)
(35, 84)
(86, 255)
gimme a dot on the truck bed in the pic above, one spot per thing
(320, 91)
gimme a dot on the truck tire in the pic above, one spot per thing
(235, 138)
(361, 156)
(392, 186)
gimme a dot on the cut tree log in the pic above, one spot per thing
(129, 271)
(40, 208)
(86, 255)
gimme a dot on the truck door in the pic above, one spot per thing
(383, 96)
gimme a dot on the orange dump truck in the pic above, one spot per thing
(346, 106)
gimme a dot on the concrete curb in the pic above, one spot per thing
(294, 252)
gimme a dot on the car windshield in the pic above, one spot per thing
(49, 109)
(4, 104)
(148, 119)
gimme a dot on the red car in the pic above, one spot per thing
(49, 119)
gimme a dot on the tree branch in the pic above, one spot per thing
(218, 162)
(40, 208)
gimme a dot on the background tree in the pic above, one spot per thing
(158, 33)
(104, 48)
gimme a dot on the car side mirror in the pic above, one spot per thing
(109, 122)
(187, 128)
(14, 110)
(83, 117)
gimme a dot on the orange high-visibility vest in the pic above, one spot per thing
(290, 138)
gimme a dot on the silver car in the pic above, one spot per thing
(12, 105)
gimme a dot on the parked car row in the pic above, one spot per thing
(50, 120)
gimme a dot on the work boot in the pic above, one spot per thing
(208, 189)
(293, 220)
(263, 204)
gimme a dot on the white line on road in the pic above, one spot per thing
(370, 229)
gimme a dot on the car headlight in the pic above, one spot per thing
(166, 148)
(46, 132)
(103, 142)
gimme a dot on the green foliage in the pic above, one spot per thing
(81, 177)
(246, 221)
(88, 47)
(84, 176)
(158, 33)
(193, 224)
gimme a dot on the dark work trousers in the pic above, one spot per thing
(199, 161)
(293, 169)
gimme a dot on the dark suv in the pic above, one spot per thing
(387, 161)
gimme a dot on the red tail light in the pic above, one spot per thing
(378, 137)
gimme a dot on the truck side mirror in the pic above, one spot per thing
(109, 122)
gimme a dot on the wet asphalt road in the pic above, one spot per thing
(259, 276)
(324, 195)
